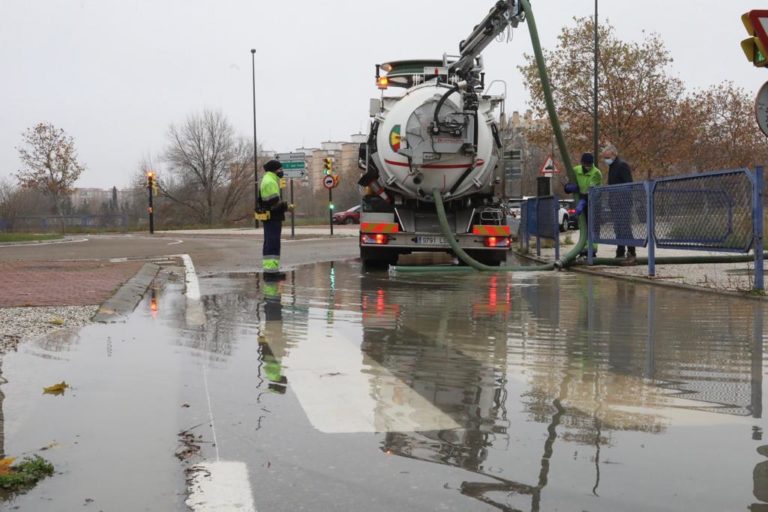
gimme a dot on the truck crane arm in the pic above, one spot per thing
(503, 14)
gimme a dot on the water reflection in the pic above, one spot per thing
(534, 384)
(599, 360)
(271, 341)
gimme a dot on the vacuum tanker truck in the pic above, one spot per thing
(434, 129)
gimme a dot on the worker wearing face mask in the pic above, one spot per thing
(273, 211)
(621, 206)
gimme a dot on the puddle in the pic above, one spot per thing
(346, 390)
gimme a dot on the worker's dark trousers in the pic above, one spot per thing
(271, 249)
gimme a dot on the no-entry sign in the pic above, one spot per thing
(329, 182)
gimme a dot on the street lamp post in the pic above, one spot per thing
(255, 144)
(596, 127)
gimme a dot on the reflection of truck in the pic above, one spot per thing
(439, 134)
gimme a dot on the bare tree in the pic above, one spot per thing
(211, 164)
(49, 162)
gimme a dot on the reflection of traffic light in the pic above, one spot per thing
(328, 166)
(754, 47)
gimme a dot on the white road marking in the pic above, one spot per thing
(176, 242)
(193, 286)
(194, 314)
(344, 391)
(220, 486)
(118, 260)
(37, 244)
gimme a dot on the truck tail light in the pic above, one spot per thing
(496, 241)
(374, 239)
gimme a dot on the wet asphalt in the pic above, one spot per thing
(346, 389)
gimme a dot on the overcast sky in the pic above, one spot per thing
(115, 74)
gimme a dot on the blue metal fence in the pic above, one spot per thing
(718, 211)
(539, 219)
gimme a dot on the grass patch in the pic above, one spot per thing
(28, 237)
(25, 474)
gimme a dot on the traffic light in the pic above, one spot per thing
(328, 166)
(152, 182)
(330, 206)
(755, 47)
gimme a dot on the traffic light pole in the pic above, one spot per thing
(330, 210)
(150, 209)
(293, 214)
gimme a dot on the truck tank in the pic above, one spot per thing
(413, 159)
(438, 134)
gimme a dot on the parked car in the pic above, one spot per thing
(572, 220)
(349, 216)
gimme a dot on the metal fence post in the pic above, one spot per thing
(556, 228)
(650, 214)
(590, 225)
(538, 225)
(757, 226)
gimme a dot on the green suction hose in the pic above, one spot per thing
(553, 119)
(463, 256)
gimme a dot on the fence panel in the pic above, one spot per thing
(705, 211)
(620, 214)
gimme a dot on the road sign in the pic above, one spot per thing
(761, 108)
(756, 47)
(549, 167)
(329, 182)
(294, 165)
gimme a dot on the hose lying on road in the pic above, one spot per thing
(461, 253)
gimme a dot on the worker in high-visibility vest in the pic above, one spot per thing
(587, 176)
(270, 204)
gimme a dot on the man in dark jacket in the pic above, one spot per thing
(621, 207)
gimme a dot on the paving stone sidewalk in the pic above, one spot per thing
(62, 283)
(720, 277)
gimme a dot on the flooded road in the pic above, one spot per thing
(344, 390)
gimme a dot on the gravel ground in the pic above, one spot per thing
(20, 324)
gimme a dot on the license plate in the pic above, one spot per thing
(431, 240)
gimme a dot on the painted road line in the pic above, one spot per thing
(195, 316)
(343, 390)
(220, 486)
(190, 277)
(176, 242)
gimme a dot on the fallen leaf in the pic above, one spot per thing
(5, 465)
(56, 389)
(57, 321)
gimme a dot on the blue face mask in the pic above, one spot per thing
(609, 161)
